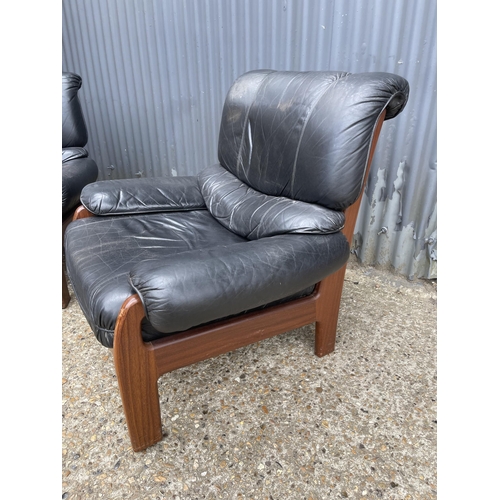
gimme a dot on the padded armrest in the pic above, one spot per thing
(138, 196)
(69, 154)
(227, 280)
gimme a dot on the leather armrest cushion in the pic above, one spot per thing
(146, 195)
(69, 154)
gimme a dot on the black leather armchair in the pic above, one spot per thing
(78, 169)
(171, 271)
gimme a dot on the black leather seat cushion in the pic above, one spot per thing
(109, 258)
(102, 251)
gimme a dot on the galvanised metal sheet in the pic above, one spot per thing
(155, 74)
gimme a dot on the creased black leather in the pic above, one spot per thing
(74, 130)
(306, 135)
(146, 195)
(229, 279)
(254, 215)
(101, 251)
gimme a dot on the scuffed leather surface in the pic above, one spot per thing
(101, 251)
(146, 195)
(74, 130)
(306, 135)
(217, 282)
(76, 173)
(254, 215)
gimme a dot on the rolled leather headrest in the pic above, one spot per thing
(74, 130)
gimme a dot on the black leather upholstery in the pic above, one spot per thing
(105, 264)
(224, 280)
(78, 169)
(306, 135)
(136, 196)
(259, 228)
(254, 215)
(74, 130)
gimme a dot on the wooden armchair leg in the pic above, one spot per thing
(137, 375)
(65, 291)
(327, 312)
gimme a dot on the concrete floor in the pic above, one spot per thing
(271, 420)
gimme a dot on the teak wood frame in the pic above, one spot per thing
(139, 364)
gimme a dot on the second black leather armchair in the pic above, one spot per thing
(78, 169)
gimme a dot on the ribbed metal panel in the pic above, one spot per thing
(156, 74)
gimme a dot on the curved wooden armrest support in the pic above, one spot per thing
(82, 213)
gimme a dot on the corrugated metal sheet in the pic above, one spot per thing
(156, 74)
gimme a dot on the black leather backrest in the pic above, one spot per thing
(74, 131)
(306, 135)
